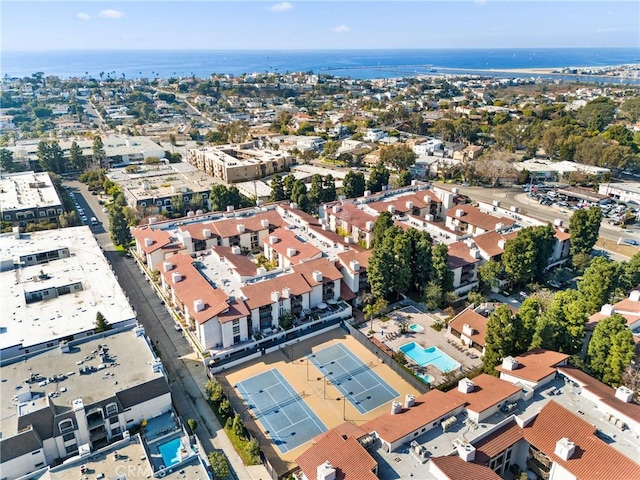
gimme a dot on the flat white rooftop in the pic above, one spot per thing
(128, 363)
(30, 324)
(26, 190)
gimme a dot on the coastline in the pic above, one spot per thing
(597, 71)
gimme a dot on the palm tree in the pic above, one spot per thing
(374, 308)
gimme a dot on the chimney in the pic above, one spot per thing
(355, 265)
(396, 408)
(391, 209)
(409, 205)
(475, 253)
(509, 363)
(502, 243)
(291, 252)
(514, 209)
(260, 271)
(455, 191)
(265, 223)
(167, 266)
(634, 296)
(465, 385)
(148, 241)
(499, 226)
(607, 309)
(176, 277)
(198, 305)
(565, 448)
(369, 225)
(459, 212)
(409, 401)
(317, 276)
(236, 250)
(336, 209)
(427, 199)
(286, 292)
(625, 394)
(275, 296)
(467, 330)
(496, 203)
(230, 208)
(273, 239)
(240, 228)
(206, 233)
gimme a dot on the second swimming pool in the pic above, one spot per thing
(430, 356)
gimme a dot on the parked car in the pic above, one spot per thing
(631, 241)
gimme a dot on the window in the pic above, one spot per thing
(111, 409)
(68, 436)
(39, 465)
(7, 217)
(72, 448)
(115, 431)
(65, 425)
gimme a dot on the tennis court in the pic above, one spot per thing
(284, 415)
(356, 381)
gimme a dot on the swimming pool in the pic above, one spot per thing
(430, 356)
(426, 378)
(416, 328)
(170, 452)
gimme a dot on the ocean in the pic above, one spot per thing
(358, 64)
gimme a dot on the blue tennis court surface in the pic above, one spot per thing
(284, 415)
(364, 389)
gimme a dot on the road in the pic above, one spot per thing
(185, 372)
(516, 197)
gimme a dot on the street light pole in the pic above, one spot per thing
(344, 404)
(310, 356)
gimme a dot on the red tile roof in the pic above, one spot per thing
(474, 216)
(361, 256)
(460, 255)
(196, 230)
(287, 239)
(160, 238)
(497, 442)
(194, 286)
(454, 468)
(323, 265)
(346, 293)
(604, 392)
(346, 429)
(237, 309)
(229, 227)
(488, 391)
(347, 456)
(239, 262)
(489, 242)
(353, 216)
(428, 408)
(535, 364)
(593, 458)
(259, 294)
(562, 235)
(476, 321)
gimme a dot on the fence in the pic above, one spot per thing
(378, 352)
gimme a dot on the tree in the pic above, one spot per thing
(197, 202)
(178, 205)
(381, 263)
(214, 391)
(99, 154)
(400, 157)
(76, 158)
(378, 178)
(221, 197)
(383, 223)
(374, 308)
(599, 282)
(433, 295)
(529, 314)
(101, 324)
(519, 257)
(7, 164)
(316, 191)
(490, 273)
(120, 232)
(330, 148)
(597, 114)
(442, 274)
(611, 349)
(288, 183)
(51, 157)
(500, 339)
(219, 465)
(193, 424)
(543, 241)
(353, 184)
(277, 189)
(584, 226)
(329, 189)
(404, 178)
(420, 258)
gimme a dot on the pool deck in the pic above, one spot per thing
(388, 333)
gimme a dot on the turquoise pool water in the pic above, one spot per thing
(416, 328)
(426, 378)
(170, 452)
(430, 356)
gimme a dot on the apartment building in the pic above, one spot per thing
(29, 197)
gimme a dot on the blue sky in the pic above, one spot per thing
(211, 25)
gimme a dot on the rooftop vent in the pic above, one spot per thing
(607, 309)
(291, 251)
(148, 241)
(198, 305)
(409, 401)
(565, 448)
(465, 385)
(273, 239)
(176, 277)
(317, 275)
(391, 209)
(369, 225)
(625, 394)
(509, 363)
(206, 233)
(459, 212)
(241, 228)
(286, 292)
(355, 265)
(326, 471)
(236, 250)
(396, 408)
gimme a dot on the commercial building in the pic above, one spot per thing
(78, 398)
(28, 197)
(53, 284)
(624, 192)
(239, 163)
